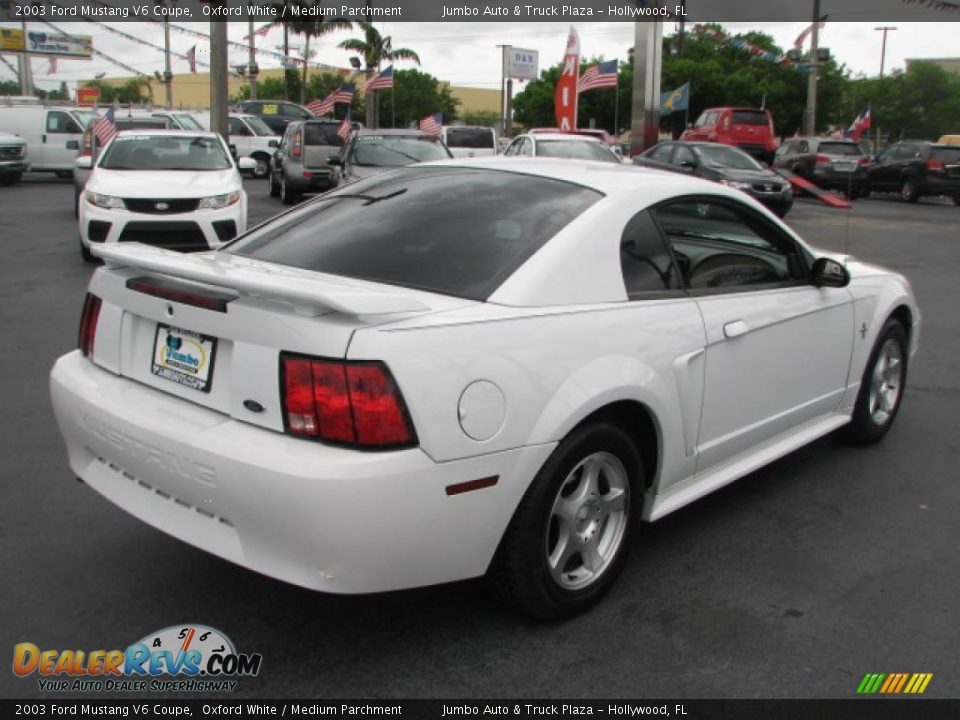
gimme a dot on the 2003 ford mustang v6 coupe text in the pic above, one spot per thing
(472, 367)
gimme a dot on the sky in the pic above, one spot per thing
(466, 53)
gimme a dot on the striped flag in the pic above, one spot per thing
(802, 37)
(105, 128)
(431, 124)
(191, 57)
(600, 75)
(382, 81)
(325, 106)
(262, 32)
(860, 123)
(345, 127)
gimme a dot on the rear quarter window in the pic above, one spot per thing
(454, 231)
(946, 155)
(749, 117)
(837, 148)
(475, 138)
(322, 135)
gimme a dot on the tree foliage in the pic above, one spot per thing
(133, 91)
(417, 94)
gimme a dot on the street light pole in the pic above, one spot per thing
(810, 118)
(167, 74)
(252, 68)
(218, 77)
(883, 52)
(504, 109)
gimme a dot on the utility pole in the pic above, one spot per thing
(647, 67)
(810, 118)
(218, 77)
(26, 77)
(252, 69)
(167, 75)
(504, 104)
(286, 52)
(883, 52)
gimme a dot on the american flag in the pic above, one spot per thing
(801, 38)
(191, 56)
(105, 128)
(431, 124)
(345, 127)
(598, 76)
(382, 81)
(324, 106)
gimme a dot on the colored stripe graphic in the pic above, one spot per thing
(894, 683)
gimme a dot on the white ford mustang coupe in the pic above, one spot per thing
(472, 367)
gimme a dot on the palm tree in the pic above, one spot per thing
(375, 50)
(312, 29)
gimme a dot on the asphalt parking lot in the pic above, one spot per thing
(793, 582)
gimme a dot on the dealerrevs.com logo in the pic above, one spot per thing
(197, 657)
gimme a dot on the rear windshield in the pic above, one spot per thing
(575, 150)
(455, 231)
(946, 155)
(477, 138)
(396, 150)
(749, 117)
(839, 148)
(317, 134)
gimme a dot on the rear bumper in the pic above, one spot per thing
(325, 518)
(318, 181)
(937, 185)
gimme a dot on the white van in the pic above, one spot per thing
(53, 134)
(469, 140)
(250, 136)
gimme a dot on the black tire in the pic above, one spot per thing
(956, 199)
(521, 572)
(854, 193)
(263, 166)
(865, 191)
(868, 427)
(287, 196)
(908, 191)
(274, 187)
(86, 254)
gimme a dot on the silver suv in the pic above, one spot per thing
(299, 165)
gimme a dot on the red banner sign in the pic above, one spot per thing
(87, 96)
(565, 97)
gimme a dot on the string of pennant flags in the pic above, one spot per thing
(758, 53)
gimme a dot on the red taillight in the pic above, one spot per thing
(821, 159)
(936, 166)
(297, 145)
(348, 403)
(88, 324)
(863, 161)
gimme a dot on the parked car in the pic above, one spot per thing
(250, 137)
(300, 164)
(125, 121)
(481, 366)
(469, 140)
(13, 158)
(169, 188)
(723, 164)
(826, 162)
(180, 119)
(370, 152)
(916, 169)
(598, 133)
(53, 134)
(277, 114)
(571, 146)
(750, 129)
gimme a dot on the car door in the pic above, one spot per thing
(777, 347)
(683, 160)
(883, 172)
(60, 142)
(658, 157)
(240, 136)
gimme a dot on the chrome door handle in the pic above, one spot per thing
(735, 328)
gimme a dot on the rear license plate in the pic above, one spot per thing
(843, 167)
(184, 357)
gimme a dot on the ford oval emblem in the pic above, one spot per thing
(253, 406)
(162, 206)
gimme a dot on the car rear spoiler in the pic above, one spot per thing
(308, 296)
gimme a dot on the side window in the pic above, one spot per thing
(513, 148)
(720, 245)
(804, 147)
(908, 152)
(684, 157)
(888, 154)
(646, 263)
(702, 120)
(661, 153)
(61, 122)
(526, 148)
(235, 126)
(294, 111)
(712, 118)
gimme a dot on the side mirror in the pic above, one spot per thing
(335, 160)
(273, 144)
(83, 163)
(247, 164)
(829, 273)
(73, 145)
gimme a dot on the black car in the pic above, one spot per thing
(723, 164)
(916, 169)
(277, 114)
(826, 162)
(369, 152)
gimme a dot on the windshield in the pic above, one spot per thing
(576, 150)
(84, 117)
(478, 138)
(187, 122)
(396, 150)
(839, 148)
(749, 117)
(727, 157)
(165, 152)
(454, 231)
(258, 126)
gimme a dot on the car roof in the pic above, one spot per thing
(566, 137)
(392, 133)
(605, 177)
(168, 131)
